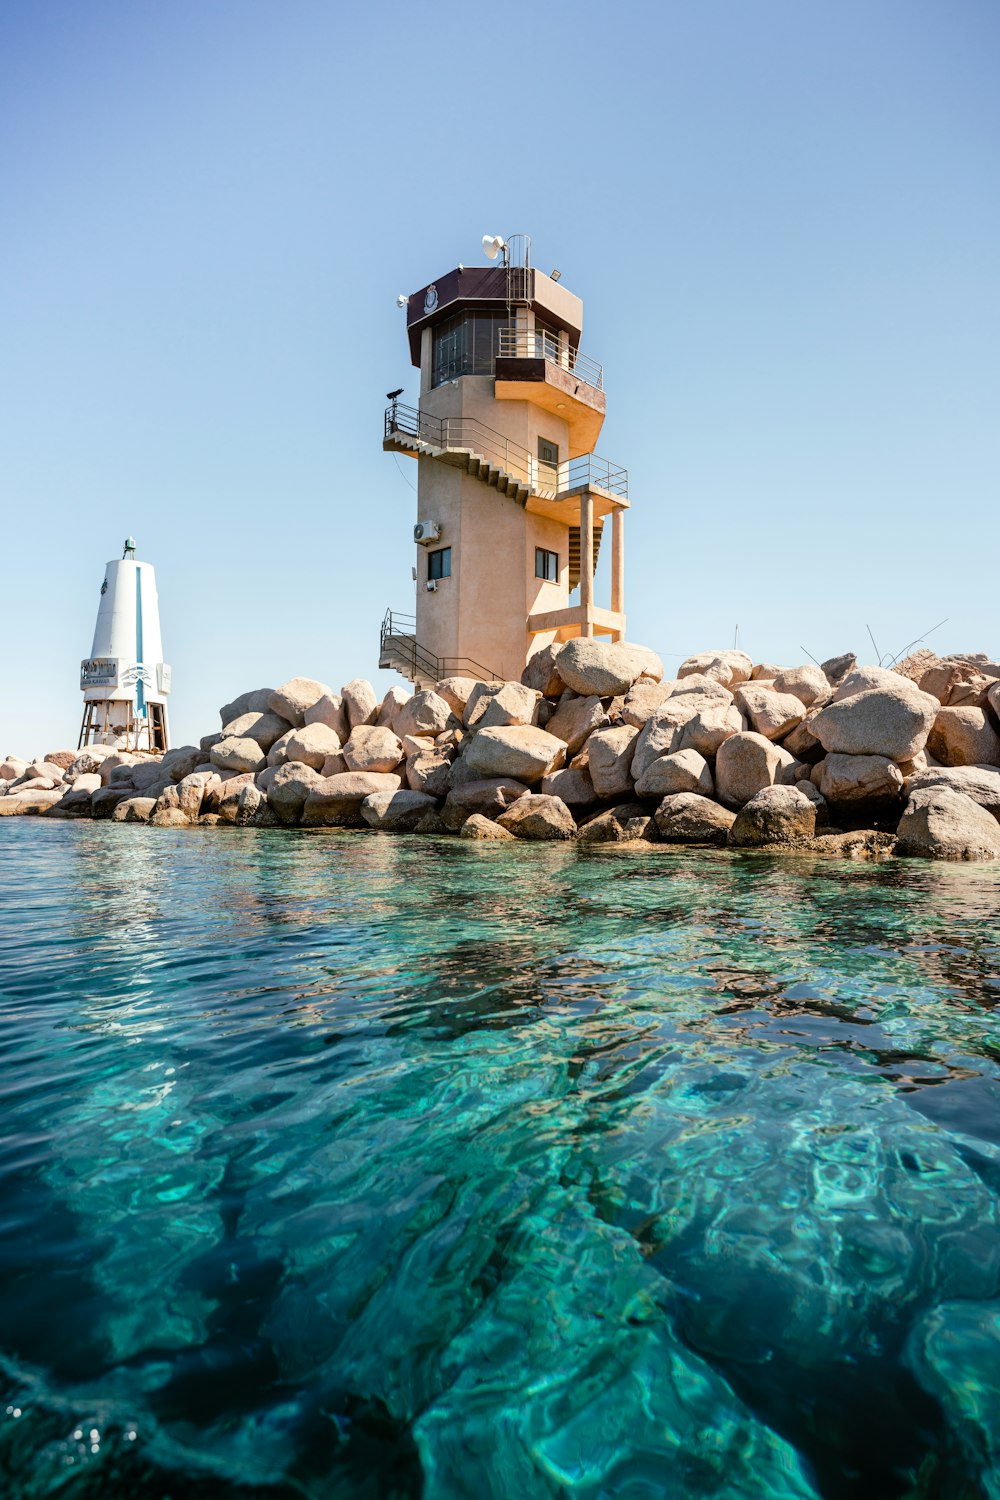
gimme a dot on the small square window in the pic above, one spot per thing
(546, 565)
(439, 563)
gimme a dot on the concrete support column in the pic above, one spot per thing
(618, 561)
(587, 557)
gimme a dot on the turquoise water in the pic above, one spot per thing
(358, 1166)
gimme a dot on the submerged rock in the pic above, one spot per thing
(688, 818)
(539, 817)
(776, 815)
(478, 827)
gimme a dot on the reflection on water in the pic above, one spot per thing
(358, 1166)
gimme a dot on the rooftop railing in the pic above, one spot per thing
(524, 343)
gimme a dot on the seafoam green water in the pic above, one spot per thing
(361, 1166)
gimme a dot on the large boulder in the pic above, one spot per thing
(590, 666)
(709, 729)
(104, 802)
(981, 783)
(455, 692)
(520, 752)
(35, 801)
(576, 719)
(292, 784)
(14, 766)
(661, 733)
(395, 699)
(628, 823)
(489, 797)
(940, 823)
(769, 713)
(360, 702)
(74, 803)
(964, 737)
(541, 672)
(371, 748)
(837, 668)
(181, 761)
(483, 829)
(956, 683)
(697, 684)
(257, 701)
(149, 778)
(891, 719)
(571, 785)
(61, 758)
(426, 713)
(291, 700)
(429, 772)
(224, 801)
(727, 667)
(253, 809)
(311, 745)
(134, 810)
(265, 728)
(170, 817)
(807, 683)
(539, 817)
(609, 760)
(643, 699)
(802, 743)
(858, 778)
(495, 705)
(395, 812)
(683, 771)
(776, 815)
(45, 769)
(192, 791)
(335, 802)
(331, 711)
(689, 818)
(238, 755)
(746, 764)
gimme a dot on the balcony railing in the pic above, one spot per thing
(524, 343)
(542, 479)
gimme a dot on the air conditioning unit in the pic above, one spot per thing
(432, 585)
(426, 531)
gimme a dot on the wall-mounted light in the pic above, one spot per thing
(555, 275)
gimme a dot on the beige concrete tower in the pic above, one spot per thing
(511, 498)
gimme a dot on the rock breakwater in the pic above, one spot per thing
(595, 744)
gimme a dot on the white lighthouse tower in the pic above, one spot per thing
(125, 681)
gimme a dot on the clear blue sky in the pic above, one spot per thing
(783, 217)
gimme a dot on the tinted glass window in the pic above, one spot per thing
(439, 563)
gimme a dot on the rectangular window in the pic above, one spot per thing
(439, 563)
(548, 453)
(546, 565)
(465, 344)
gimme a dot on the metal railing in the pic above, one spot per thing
(462, 432)
(549, 481)
(525, 343)
(398, 644)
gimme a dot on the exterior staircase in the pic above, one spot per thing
(400, 651)
(491, 472)
(574, 552)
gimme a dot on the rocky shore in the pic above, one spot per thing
(593, 744)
